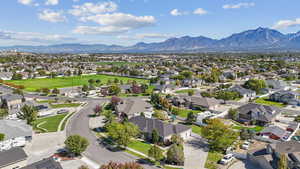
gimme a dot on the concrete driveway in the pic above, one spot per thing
(195, 151)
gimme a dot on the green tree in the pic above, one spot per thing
(45, 91)
(155, 136)
(3, 113)
(233, 114)
(219, 135)
(156, 153)
(76, 144)
(191, 118)
(109, 117)
(255, 84)
(114, 90)
(282, 163)
(2, 136)
(83, 167)
(18, 92)
(28, 113)
(297, 119)
(175, 155)
(122, 133)
(176, 139)
(130, 165)
(55, 91)
(17, 76)
(85, 88)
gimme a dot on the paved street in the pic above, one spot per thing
(195, 154)
(79, 124)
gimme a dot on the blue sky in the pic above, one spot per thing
(126, 22)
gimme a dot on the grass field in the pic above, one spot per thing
(140, 146)
(239, 126)
(60, 82)
(57, 106)
(184, 112)
(212, 160)
(196, 129)
(50, 124)
(185, 91)
(266, 101)
(117, 63)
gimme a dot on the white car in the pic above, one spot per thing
(246, 145)
(226, 159)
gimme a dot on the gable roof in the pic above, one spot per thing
(260, 112)
(241, 90)
(48, 163)
(132, 106)
(11, 97)
(147, 125)
(280, 132)
(12, 156)
(204, 101)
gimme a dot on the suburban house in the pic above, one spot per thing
(274, 133)
(267, 158)
(17, 133)
(256, 113)
(277, 84)
(11, 101)
(13, 158)
(165, 130)
(134, 107)
(47, 163)
(164, 88)
(199, 102)
(243, 92)
(286, 97)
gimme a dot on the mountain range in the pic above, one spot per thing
(256, 40)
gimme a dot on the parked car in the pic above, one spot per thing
(246, 145)
(62, 111)
(226, 159)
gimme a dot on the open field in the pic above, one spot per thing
(50, 124)
(266, 101)
(60, 82)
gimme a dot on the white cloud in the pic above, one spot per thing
(52, 2)
(33, 37)
(91, 8)
(200, 11)
(239, 5)
(51, 16)
(176, 12)
(286, 23)
(26, 2)
(121, 20)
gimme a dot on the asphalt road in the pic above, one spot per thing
(79, 124)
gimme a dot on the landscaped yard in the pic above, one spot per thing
(56, 106)
(212, 160)
(185, 91)
(140, 146)
(196, 129)
(60, 82)
(48, 124)
(266, 101)
(239, 126)
(184, 112)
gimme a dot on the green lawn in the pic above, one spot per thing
(239, 126)
(65, 122)
(185, 91)
(196, 129)
(60, 82)
(184, 112)
(140, 146)
(50, 123)
(57, 106)
(265, 101)
(212, 160)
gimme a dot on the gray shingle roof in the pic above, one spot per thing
(14, 129)
(48, 163)
(259, 112)
(132, 106)
(147, 125)
(274, 130)
(12, 156)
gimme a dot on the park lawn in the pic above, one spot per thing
(185, 91)
(61, 82)
(64, 105)
(212, 160)
(184, 112)
(265, 101)
(65, 122)
(51, 123)
(197, 129)
(118, 63)
(140, 146)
